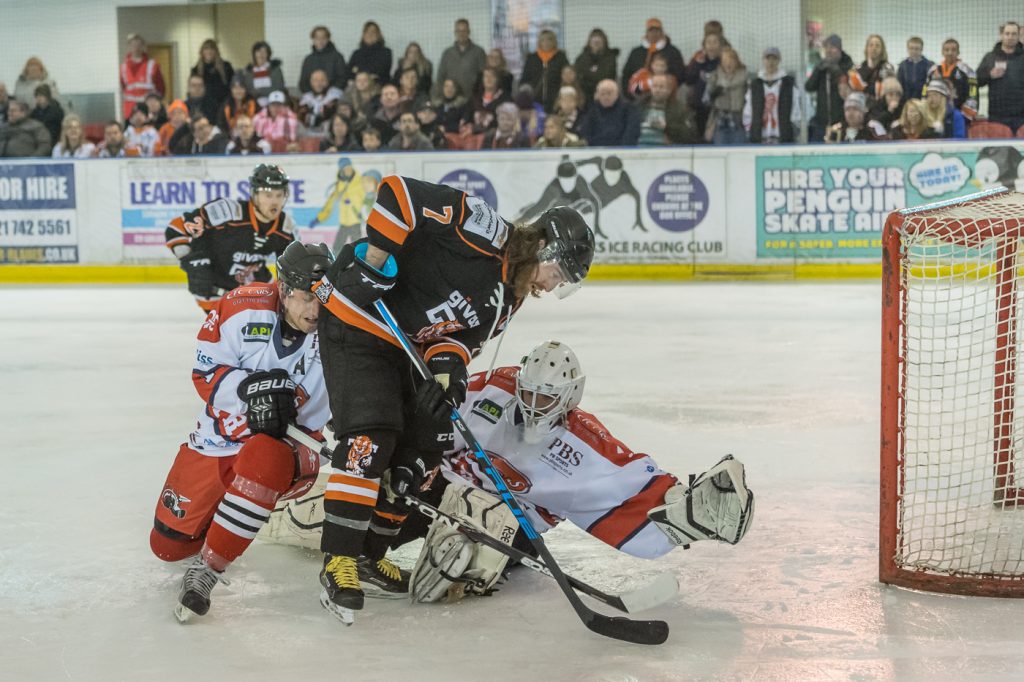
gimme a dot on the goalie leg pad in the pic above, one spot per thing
(716, 505)
(450, 560)
(298, 521)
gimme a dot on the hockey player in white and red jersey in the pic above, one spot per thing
(562, 464)
(257, 369)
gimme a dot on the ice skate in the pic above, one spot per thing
(196, 585)
(382, 579)
(342, 595)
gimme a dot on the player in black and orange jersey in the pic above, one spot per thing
(452, 272)
(226, 243)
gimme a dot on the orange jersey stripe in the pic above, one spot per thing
(355, 481)
(386, 227)
(404, 201)
(348, 315)
(620, 524)
(348, 497)
(397, 518)
(445, 347)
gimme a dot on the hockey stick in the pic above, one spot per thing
(616, 627)
(655, 593)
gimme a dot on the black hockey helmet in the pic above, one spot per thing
(267, 176)
(569, 241)
(301, 265)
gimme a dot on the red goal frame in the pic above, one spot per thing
(1009, 231)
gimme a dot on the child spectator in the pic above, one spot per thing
(177, 116)
(139, 134)
(156, 112)
(277, 123)
(887, 109)
(962, 76)
(947, 120)
(913, 71)
(48, 111)
(245, 141)
(569, 107)
(371, 140)
(556, 136)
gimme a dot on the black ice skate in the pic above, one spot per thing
(342, 594)
(194, 597)
(382, 579)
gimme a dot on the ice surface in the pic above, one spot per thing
(96, 397)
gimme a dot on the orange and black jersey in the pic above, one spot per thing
(451, 292)
(236, 242)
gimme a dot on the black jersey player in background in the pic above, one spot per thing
(226, 243)
(452, 272)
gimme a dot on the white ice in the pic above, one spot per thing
(96, 397)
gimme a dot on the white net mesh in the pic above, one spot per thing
(961, 511)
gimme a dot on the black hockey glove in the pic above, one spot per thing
(432, 424)
(199, 270)
(407, 479)
(357, 280)
(270, 401)
(450, 371)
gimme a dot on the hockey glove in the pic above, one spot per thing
(450, 371)
(358, 281)
(199, 270)
(407, 478)
(270, 401)
(716, 505)
(432, 424)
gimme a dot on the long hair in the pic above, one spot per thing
(603, 36)
(523, 245)
(218, 63)
(423, 66)
(35, 61)
(65, 143)
(882, 58)
(922, 109)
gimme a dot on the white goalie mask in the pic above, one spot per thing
(550, 383)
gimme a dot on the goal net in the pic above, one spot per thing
(952, 447)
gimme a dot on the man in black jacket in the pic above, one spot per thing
(829, 82)
(324, 57)
(1002, 70)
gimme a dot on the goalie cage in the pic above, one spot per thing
(951, 502)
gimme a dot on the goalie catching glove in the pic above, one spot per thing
(717, 505)
(269, 397)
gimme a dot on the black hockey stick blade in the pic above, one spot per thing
(627, 630)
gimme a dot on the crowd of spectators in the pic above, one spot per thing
(471, 100)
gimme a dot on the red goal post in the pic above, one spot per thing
(952, 445)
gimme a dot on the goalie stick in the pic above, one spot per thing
(657, 592)
(616, 627)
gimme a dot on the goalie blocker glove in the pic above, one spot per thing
(270, 401)
(717, 505)
(358, 281)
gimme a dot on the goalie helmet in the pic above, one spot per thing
(267, 176)
(569, 242)
(549, 384)
(302, 265)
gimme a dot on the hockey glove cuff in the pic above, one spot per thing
(199, 270)
(358, 281)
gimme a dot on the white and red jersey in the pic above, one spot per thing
(242, 334)
(579, 472)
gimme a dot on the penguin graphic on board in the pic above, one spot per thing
(567, 189)
(1001, 166)
(611, 183)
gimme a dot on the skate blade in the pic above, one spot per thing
(346, 616)
(183, 613)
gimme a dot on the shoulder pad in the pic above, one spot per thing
(287, 224)
(587, 428)
(220, 211)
